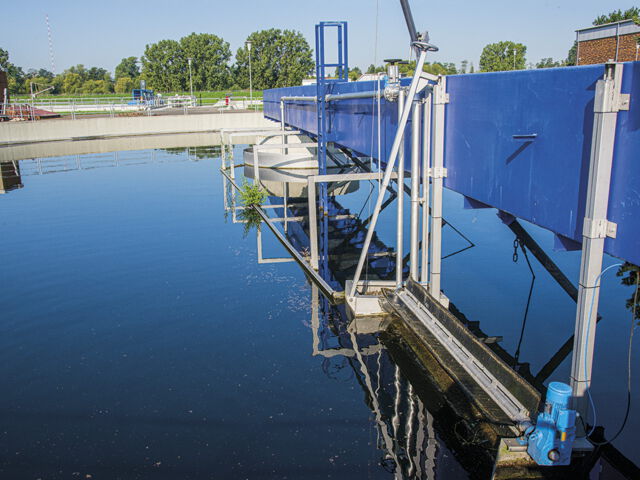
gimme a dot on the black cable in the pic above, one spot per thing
(629, 350)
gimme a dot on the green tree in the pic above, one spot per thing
(618, 15)
(572, 55)
(124, 85)
(97, 86)
(435, 68)
(373, 69)
(4, 59)
(128, 67)
(548, 63)
(354, 74)
(210, 57)
(279, 58)
(502, 56)
(72, 82)
(15, 74)
(629, 274)
(163, 65)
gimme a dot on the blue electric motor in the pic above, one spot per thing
(551, 441)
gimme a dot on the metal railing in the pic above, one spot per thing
(28, 109)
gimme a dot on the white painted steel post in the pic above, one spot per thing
(438, 172)
(400, 219)
(256, 167)
(415, 189)
(426, 165)
(608, 101)
(389, 170)
(313, 221)
(282, 122)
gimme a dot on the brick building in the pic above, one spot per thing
(613, 41)
(3, 85)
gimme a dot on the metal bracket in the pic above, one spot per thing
(429, 76)
(438, 172)
(624, 101)
(599, 228)
(611, 100)
(440, 97)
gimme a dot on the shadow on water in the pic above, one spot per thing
(420, 411)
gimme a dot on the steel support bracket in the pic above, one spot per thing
(611, 100)
(599, 228)
(441, 97)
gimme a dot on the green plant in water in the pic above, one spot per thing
(251, 196)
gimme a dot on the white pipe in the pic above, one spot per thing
(387, 174)
(437, 173)
(415, 187)
(348, 96)
(426, 164)
(400, 219)
(299, 99)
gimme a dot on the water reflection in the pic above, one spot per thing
(631, 277)
(10, 177)
(426, 425)
(408, 437)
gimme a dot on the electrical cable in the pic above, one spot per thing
(596, 285)
(629, 350)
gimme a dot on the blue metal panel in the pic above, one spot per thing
(517, 141)
(521, 142)
(351, 123)
(624, 200)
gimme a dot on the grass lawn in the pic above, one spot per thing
(204, 95)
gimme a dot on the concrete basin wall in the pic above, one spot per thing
(104, 127)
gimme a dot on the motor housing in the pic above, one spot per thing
(551, 441)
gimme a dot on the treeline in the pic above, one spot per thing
(278, 58)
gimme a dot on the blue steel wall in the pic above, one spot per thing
(352, 123)
(543, 180)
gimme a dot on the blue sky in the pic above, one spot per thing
(101, 33)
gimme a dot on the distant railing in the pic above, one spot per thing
(28, 109)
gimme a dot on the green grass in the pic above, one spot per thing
(218, 94)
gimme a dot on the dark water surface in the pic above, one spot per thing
(140, 338)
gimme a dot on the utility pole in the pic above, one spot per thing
(514, 58)
(248, 45)
(190, 78)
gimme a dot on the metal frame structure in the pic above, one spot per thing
(322, 88)
(596, 228)
(426, 101)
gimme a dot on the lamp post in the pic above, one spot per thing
(248, 45)
(514, 58)
(190, 78)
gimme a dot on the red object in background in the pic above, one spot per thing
(26, 112)
(226, 100)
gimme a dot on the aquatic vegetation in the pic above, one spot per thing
(251, 196)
